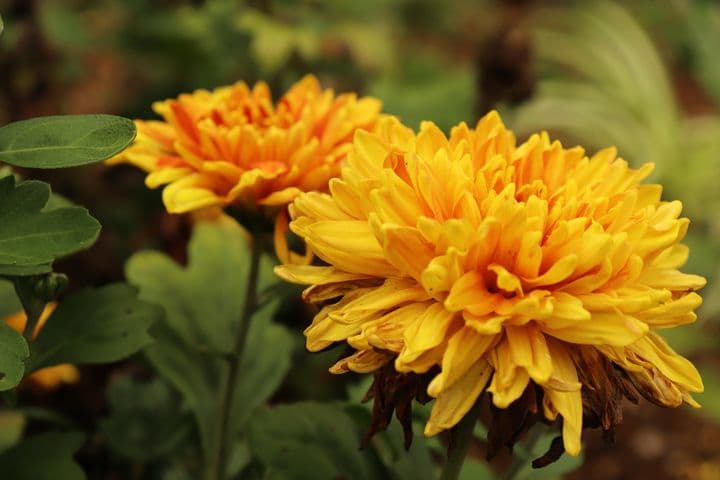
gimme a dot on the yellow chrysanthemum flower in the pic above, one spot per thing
(494, 267)
(233, 145)
(48, 378)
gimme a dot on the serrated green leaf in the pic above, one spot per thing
(48, 456)
(94, 326)
(308, 441)
(146, 419)
(204, 303)
(30, 238)
(13, 352)
(64, 141)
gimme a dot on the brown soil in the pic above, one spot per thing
(654, 443)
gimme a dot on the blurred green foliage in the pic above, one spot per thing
(640, 75)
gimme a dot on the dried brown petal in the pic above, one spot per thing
(394, 392)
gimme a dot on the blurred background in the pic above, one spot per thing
(642, 75)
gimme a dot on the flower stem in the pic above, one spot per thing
(460, 439)
(217, 468)
(520, 461)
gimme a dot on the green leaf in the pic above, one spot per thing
(12, 424)
(204, 303)
(30, 238)
(146, 420)
(13, 352)
(64, 141)
(47, 456)
(308, 441)
(95, 326)
(9, 302)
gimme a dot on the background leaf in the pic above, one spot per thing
(64, 141)
(146, 419)
(12, 424)
(94, 326)
(13, 352)
(308, 441)
(47, 456)
(30, 238)
(203, 303)
(388, 445)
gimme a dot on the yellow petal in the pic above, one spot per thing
(469, 293)
(509, 382)
(529, 350)
(364, 361)
(166, 175)
(464, 349)
(191, 193)
(567, 404)
(309, 274)
(602, 329)
(454, 402)
(349, 245)
(425, 333)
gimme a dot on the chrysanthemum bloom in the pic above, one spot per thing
(232, 145)
(51, 377)
(500, 268)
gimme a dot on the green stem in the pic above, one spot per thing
(460, 440)
(520, 461)
(217, 467)
(33, 306)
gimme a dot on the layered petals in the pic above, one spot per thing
(484, 266)
(234, 145)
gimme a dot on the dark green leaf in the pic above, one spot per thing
(400, 463)
(95, 326)
(204, 303)
(308, 441)
(64, 141)
(47, 456)
(30, 239)
(146, 420)
(13, 352)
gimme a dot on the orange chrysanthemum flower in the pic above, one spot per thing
(232, 145)
(499, 268)
(51, 377)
